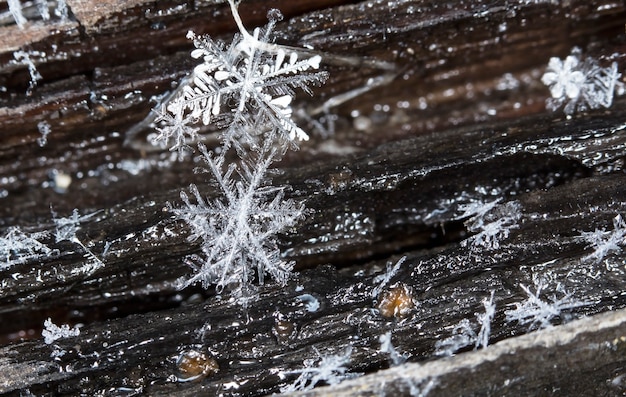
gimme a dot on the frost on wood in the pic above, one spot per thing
(463, 334)
(580, 84)
(244, 88)
(603, 242)
(18, 247)
(491, 221)
(52, 332)
(537, 312)
(238, 229)
(329, 370)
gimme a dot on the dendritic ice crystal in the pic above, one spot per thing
(330, 369)
(245, 89)
(491, 221)
(604, 242)
(580, 84)
(536, 311)
(238, 229)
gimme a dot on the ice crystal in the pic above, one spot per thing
(580, 84)
(175, 126)
(245, 88)
(387, 347)
(604, 242)
(384, 279)
(482, 339)
(238, 229)
(66, 229)
(539, 313)
(52, 332)
(25, 58)
(44, 130)
(15, 8)
(329, 369)
(464, 335)
(18, 247)
(491, 221)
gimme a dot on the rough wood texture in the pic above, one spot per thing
(459, 117)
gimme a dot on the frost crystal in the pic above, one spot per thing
(66, 229)
(604, 242)
(384, 279)
(463, 335)
(387, 347)
(330, 369)
(16, 10)
(238, 230)
(44, 129)
(251, 77)
(53, 332)
(580, 84)
(18, 247)
(24, 58)
(538, 312)
(491, 221)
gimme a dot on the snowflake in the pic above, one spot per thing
(583, 84)
(174, 124)
(253, 78)
(538, 312)
(491, 221)
(18, 247)
(53, 332)
(238, 230)
(330, 369)
(604, 242)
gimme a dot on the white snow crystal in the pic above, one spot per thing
(53, 332)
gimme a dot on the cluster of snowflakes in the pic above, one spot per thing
(245, 89)
(581, 84)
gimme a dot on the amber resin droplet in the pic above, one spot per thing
(193, 364)
(397, 301)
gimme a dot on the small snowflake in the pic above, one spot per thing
(563, 77)
(539, 313)
(604, 242)
(173, 124)
(329, 369)
(491, 221)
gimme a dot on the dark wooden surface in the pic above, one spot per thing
(461, 117)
